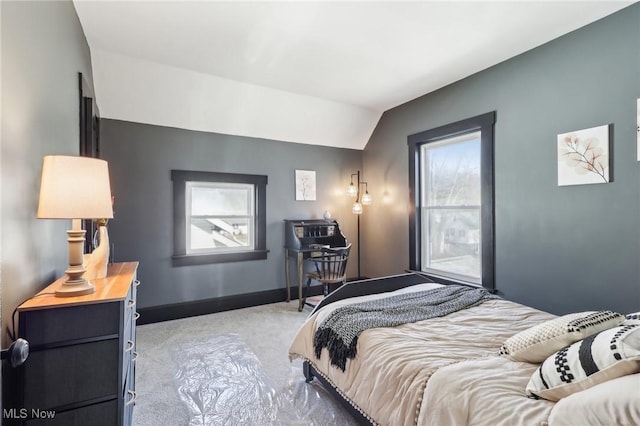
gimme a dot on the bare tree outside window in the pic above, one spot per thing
(451, 221)
(451, 205)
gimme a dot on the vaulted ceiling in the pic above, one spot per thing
(317, 72)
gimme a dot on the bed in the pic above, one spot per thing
(463, 367)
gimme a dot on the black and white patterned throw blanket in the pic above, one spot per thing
(339, 332)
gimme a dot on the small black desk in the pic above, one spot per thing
(301, 240)
(300, 255)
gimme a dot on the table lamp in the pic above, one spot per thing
(75, 188)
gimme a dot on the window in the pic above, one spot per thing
(451, 184)
(218, 217)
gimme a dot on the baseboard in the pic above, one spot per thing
(218, 304)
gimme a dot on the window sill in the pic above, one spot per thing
(204, 259)
(445, 279)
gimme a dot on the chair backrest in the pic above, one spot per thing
(331, 265)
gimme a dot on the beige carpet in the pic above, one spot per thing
(164, 349)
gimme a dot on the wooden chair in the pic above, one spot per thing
(330, 267)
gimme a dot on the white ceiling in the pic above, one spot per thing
(319, 72)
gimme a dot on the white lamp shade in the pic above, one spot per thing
(356, 208)
(366, 199)
(352, 190)
(74, 188)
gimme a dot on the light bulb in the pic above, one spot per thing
(357, 208)
(366, 198)
(352, 190)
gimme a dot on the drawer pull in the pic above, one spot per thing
(133, 395)
(136, 315)
(131, 303)
(130, 345)
(135, 356)
(136, 283)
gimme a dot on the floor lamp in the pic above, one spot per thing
(361, 200)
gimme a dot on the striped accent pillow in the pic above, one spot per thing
(604, 356)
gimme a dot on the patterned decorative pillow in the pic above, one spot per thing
(633, 318)
(598, 358)
(538, 342)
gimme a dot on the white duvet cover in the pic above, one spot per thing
(441, 371)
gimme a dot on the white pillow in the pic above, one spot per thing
(538, 342)
(615, 402)
(604, 356)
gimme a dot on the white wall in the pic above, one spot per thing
(141, 91)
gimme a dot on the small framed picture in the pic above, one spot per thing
(306, 185)
(638, 125)
(583, 156)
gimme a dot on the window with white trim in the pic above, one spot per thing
(221, 217)
(450, 207)
(451, 180)
(218, 217)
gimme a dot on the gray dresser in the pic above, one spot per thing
(81, 368)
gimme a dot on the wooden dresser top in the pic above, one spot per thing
(114, 287)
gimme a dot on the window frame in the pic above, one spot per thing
(432, 207)
(181, 257)
(485, 124)
(248, 190)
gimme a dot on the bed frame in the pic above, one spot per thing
(353, 289)
(373, 286)
(310, 373)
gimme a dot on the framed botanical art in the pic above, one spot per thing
(306, 185)
(583, 156)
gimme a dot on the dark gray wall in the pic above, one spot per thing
(43, 49)
(557, 248)
(140, 160)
